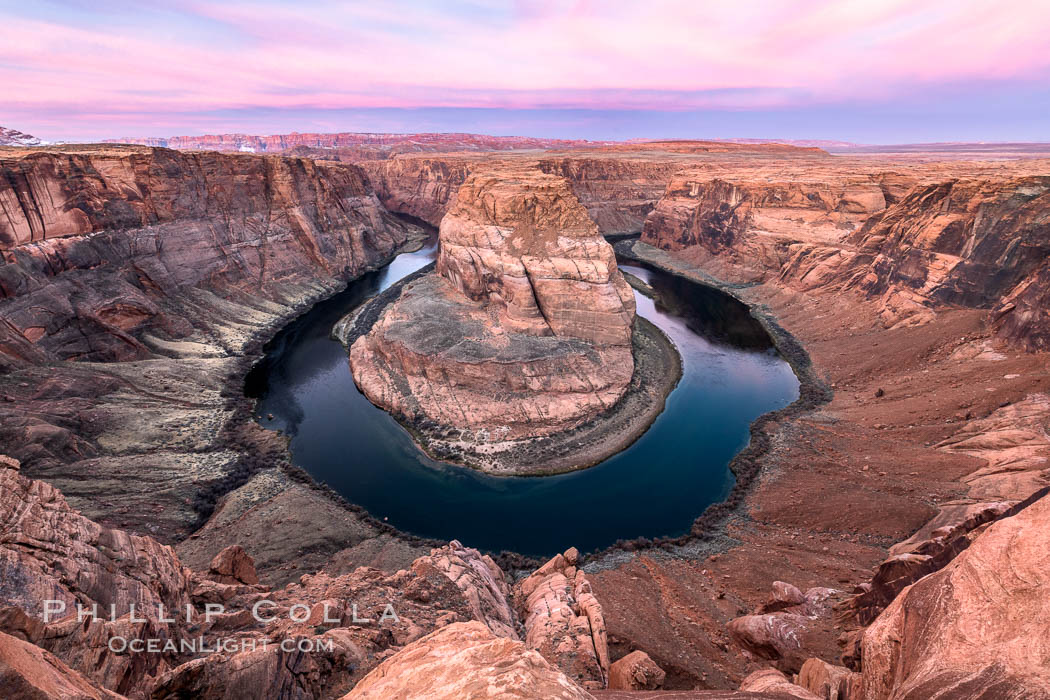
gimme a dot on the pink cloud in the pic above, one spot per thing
(657, 54)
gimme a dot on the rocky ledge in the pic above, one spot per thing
(526, 331)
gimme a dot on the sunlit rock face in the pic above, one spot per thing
(520, 240)
(525, 329)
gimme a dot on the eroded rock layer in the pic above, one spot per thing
(526, 328)
(97, 241)
(976, 628)
(133, 283)
(915, 239)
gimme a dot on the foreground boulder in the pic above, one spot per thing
(772, 681)
(465, 660)
(30, 673)
(481, 582)
(780, 630)
(636, 671)
(976, 628)
(826, 680)
(525, 330)
(49, 552)
(233, 565)
(563, 620)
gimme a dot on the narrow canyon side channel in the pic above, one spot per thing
(656, 487)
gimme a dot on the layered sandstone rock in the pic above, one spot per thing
(774, 682)
(827, 681)
(1013, 443)
(636, 671)
(563, 620)
(133, 283)
(716, 210)
(519, 240)
(466, 660)
(914, 240)
(778, 630)
(100, 245)
(30, 673)
(618, 190)
(49, 552)
(480, 580)
(418, 186)
(525, 331)
(1023, 315)
(958, 243)
(233, 565)
(976, 628)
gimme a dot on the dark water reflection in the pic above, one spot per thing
(657, 486)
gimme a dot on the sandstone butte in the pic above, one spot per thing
(894, 546)
(524, 330)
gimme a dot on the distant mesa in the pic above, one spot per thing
(11, 137)
(378, 145)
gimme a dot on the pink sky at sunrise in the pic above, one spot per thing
(101, 69)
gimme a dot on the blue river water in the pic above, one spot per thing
(657, 486)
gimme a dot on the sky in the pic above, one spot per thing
(868, 71)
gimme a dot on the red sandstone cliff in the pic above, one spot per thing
(967, 243)
(906, 238)
(97, 243)
(112, 255)
(618, 191)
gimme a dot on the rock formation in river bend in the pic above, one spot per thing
(525, 331)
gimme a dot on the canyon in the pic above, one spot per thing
(886, 517)
(524, 330)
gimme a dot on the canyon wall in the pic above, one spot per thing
(418, 186)
(617, 191)
(908, 238)
(136, 285)
(960, 243)
(97, 244)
